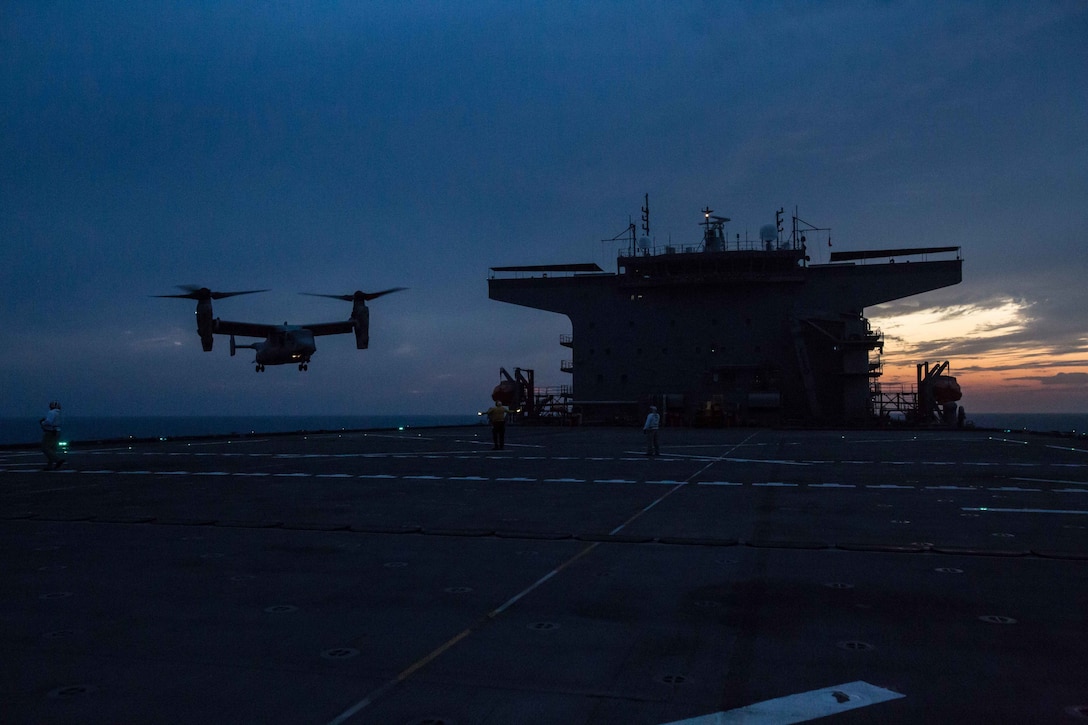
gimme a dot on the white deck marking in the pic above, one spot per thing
(779, 462)
(1066, 448)
(801, 707)
(1025, 511)
(1051, 480)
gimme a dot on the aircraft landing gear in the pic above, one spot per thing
(303, 366)
(260, 368)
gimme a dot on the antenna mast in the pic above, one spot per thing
(646, 217)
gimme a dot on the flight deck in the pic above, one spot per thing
(418, 576)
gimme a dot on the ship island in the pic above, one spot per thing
(728, 331)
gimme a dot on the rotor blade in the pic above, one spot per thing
(358, 295)
(375, 295)
(221, 295)
(203, 293)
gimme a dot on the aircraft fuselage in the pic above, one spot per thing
(286, 346)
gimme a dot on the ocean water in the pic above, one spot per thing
(76, 428)
(1037, 422)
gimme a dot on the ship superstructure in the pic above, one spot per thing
(745, 331)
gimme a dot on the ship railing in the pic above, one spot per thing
(735, 245)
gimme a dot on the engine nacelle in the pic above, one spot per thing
(205, 325)
(360, 315)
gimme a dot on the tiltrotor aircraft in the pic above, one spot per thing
(284, 343)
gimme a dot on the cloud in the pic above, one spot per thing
(343, 146)
(1065, 380)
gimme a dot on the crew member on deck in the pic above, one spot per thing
(50, 425)
(653, 422)
(496, 414)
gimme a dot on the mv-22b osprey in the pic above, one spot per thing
(284, 343)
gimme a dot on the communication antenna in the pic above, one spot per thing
(646, 217)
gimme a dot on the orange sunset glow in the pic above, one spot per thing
(1000, 364)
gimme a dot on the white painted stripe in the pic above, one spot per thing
(1026, 511)
(333, 475)
(291, 475)
(564, 480)
(468, 478)
(1066, 448)
(775, 484)
(767, 460)
(950, 488)
(376, 475)
(666, 482)
(832, 485)
(889, 485)
(719, 483)
(1071, 490)
(801, 707)
(516, 478)
(213, 473)
(422, 478)
(258, 474)
(612, 480)
(1051, 480)
(1012, 488)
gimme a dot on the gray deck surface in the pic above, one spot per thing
(421, 577)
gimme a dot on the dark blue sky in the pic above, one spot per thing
(339, 146)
